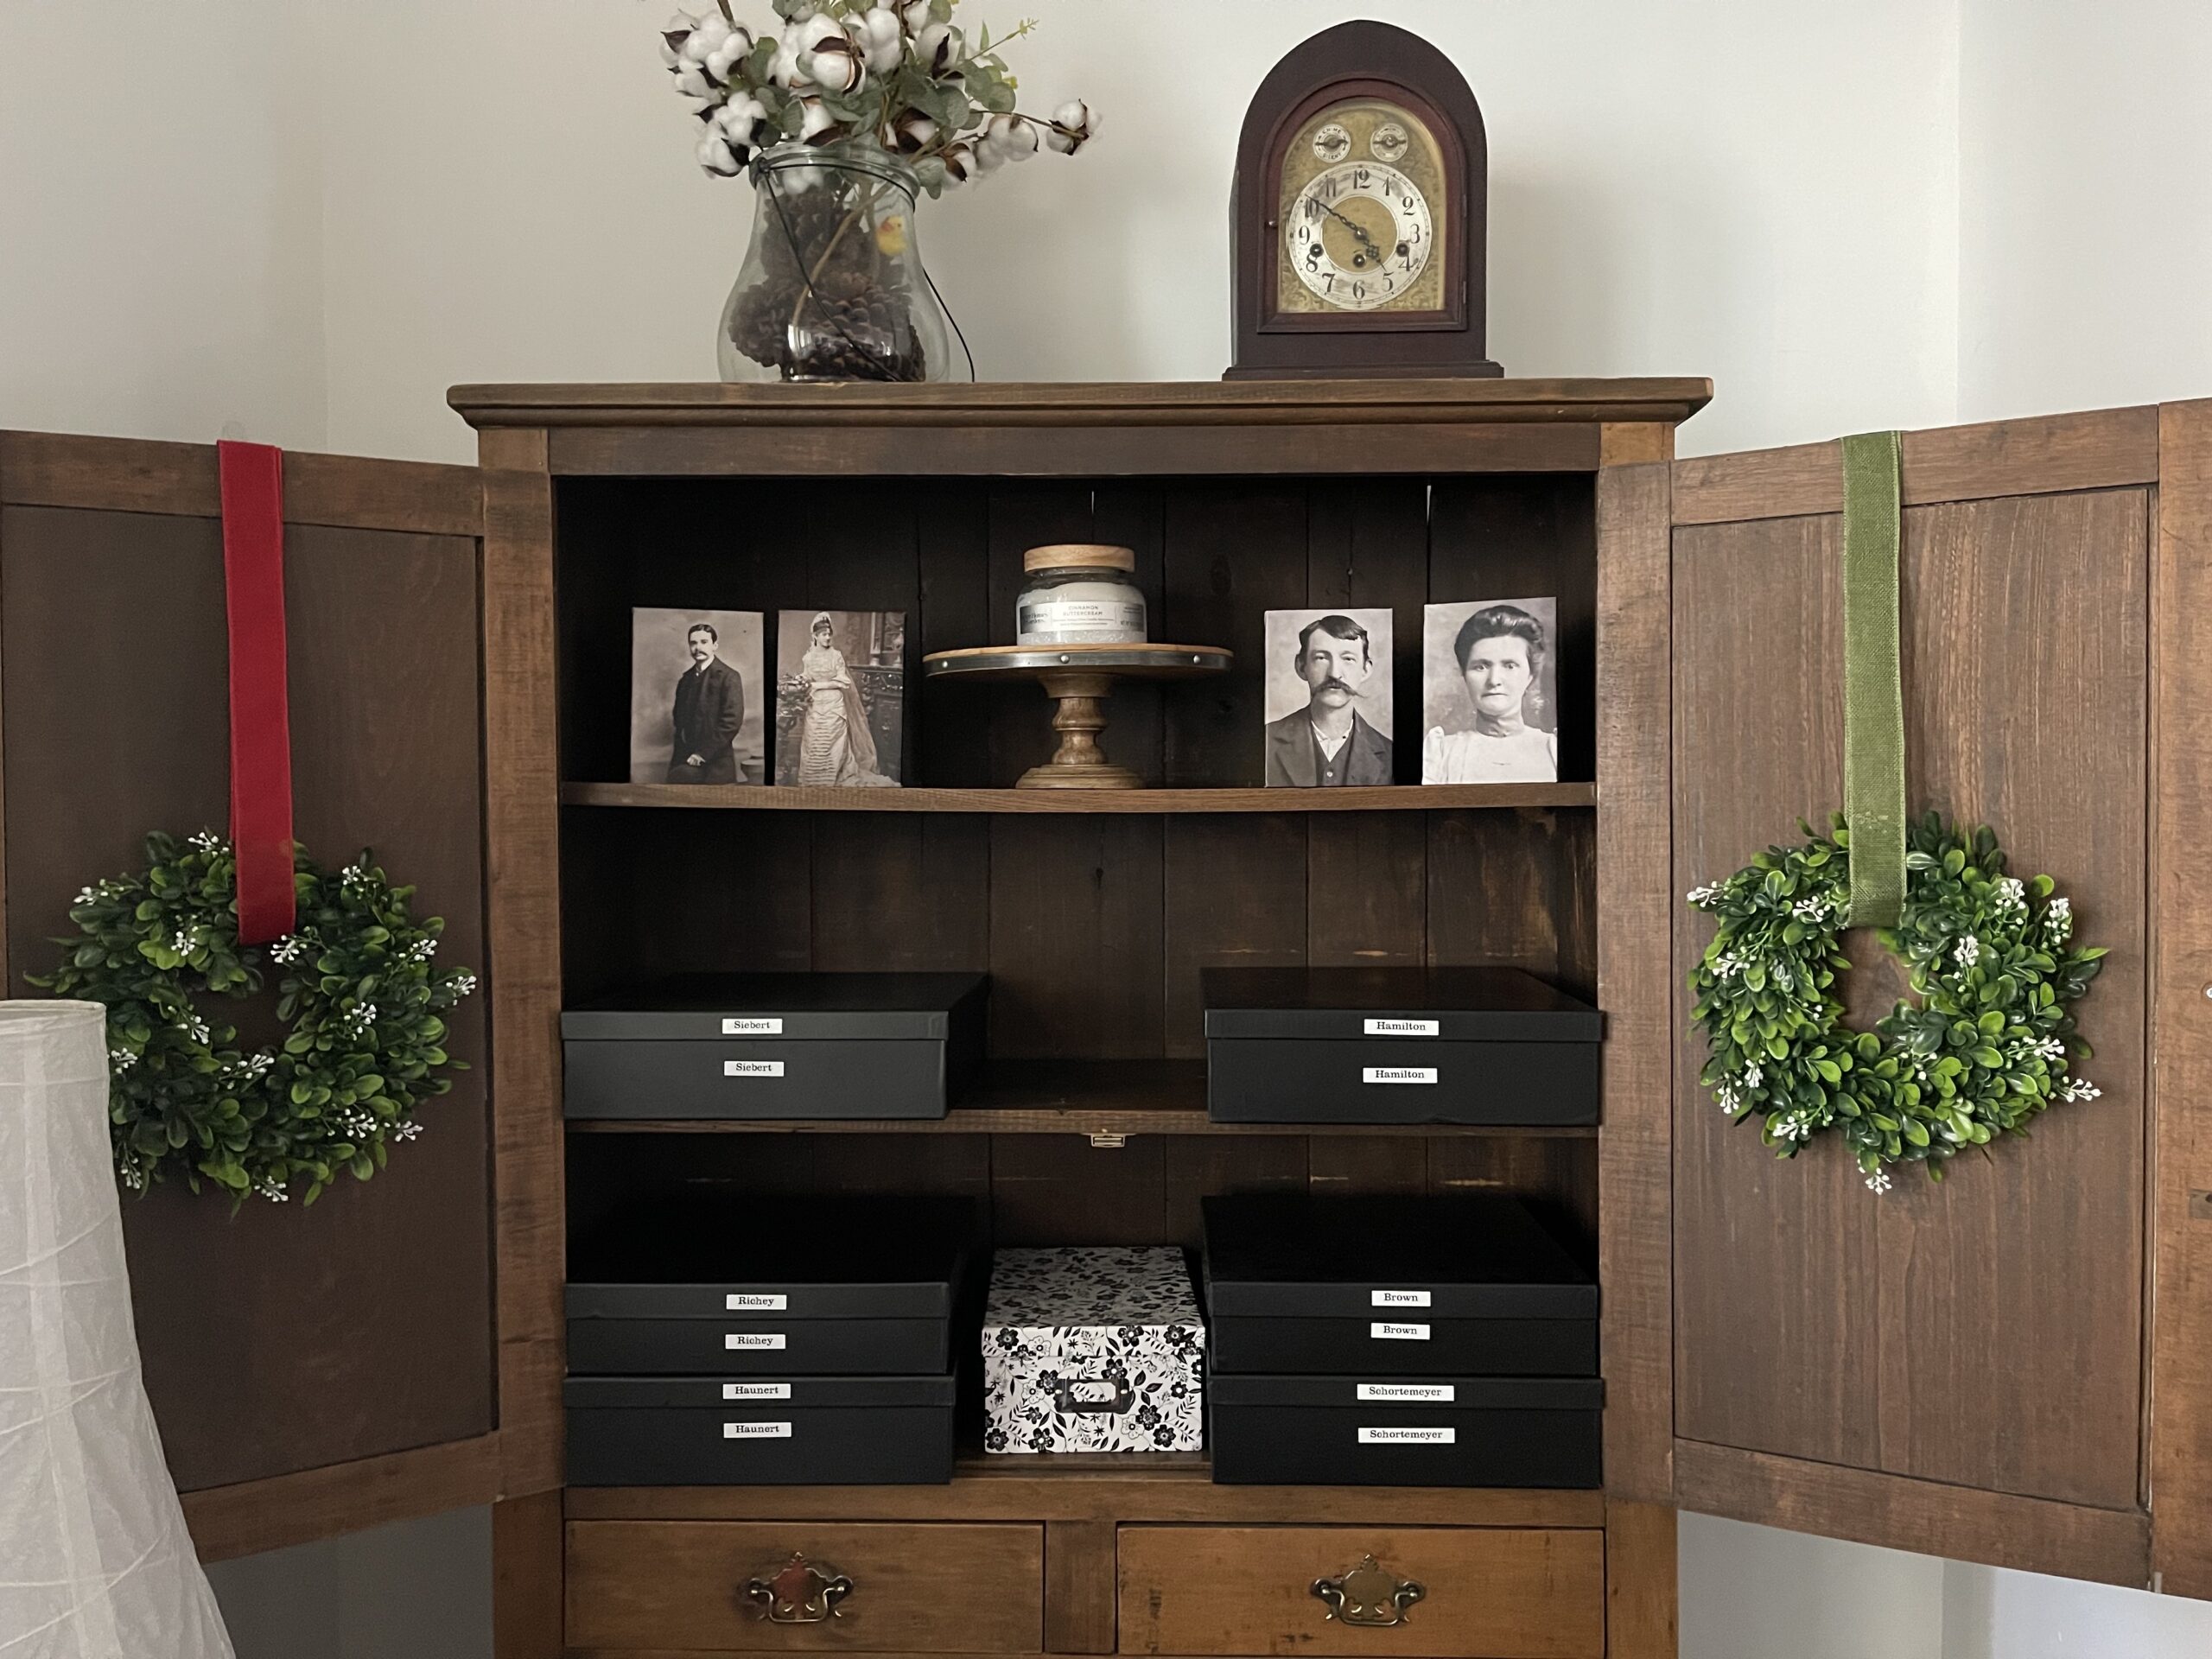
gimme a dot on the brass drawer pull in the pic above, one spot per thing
(799, 1592)
(1369, 1594)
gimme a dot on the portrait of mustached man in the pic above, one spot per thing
(1337, 730)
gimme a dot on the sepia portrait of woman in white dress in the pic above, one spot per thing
(823, 715)
(1499, 650)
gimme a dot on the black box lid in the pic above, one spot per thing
(800, 1007)
(1455, 1004)
(1409, 1394)
(755, 1393)
(743, 1258)
(1476, 1256)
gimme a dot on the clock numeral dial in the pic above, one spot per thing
(1359, 234)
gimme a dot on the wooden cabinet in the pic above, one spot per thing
(2007, 1368)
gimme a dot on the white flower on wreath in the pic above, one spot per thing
(2079, 1089)
(2012, 896)
(1732, 1102)
(1751, 1075)
(1702, 896)
(2058, 919)
(1879, 1181)
(1967, 951)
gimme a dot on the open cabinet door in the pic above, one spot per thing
(1966, 1368)
(314, 1370)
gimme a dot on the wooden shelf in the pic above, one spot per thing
(1397, 797)
(1068, 1097)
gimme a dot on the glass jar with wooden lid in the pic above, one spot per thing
(1079, 593)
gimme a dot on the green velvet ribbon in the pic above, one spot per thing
(1873, 682)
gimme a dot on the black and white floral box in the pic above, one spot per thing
(1093, 1350)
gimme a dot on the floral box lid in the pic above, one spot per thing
(1069, 1288)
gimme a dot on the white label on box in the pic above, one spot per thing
(756, 1390)
(752, 1068)
(1389, 1027)
(1382, 1331)
(1398, 1074)
(1408, 1393)
(1397, 1298)
(753, 1301)
(1409, 1436)
(752, 1342)
(753, 1024)
(763, 1431)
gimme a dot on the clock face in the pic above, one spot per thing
(1361, 212)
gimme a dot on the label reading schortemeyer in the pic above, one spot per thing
(1397, 1298)
(754, 1342)
(756, 1430)
(752, 1068)
(1409, 1436)
(1383, 1331)
(754, 1301)
(1407, 1394)
(756, 1390)
(1398, 1074)
(1392, 1027)
(753, 1024)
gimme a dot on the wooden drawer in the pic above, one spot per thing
(676, 1586)
(1492, 1593)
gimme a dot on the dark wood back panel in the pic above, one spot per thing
(285, 1338)
(1986, 1331)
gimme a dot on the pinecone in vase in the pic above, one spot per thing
(822, 309)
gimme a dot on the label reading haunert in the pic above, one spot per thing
(756, 1342)
(1398, 1074)
(752, 1068)
(1383, 1331)
(756, 1390)
(1392, 1028)
(1397, 1298)
(1407, 1394)
(756, 1430)
(1409, 1436)
(753, 1024)
(750, 1301)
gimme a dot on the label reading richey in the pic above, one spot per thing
(753, 1301)
(1397, 1298)
(757, 1391)
(1409, 1436)
(752, 1068)
(1390, 1027)
(1398, 1074)
(1383, 1331)
(756, 1430)
(753, 1024)
(761, 1342)
(1407, 1394)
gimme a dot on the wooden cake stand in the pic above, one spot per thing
(1079, 678)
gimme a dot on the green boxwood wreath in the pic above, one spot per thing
(362, 1006)
(1987, 1046)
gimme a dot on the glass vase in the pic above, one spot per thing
(832, 287)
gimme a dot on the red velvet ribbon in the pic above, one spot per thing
(261, 728)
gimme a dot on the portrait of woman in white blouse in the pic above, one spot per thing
(1486, 702)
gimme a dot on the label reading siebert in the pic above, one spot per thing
(752, 1068)
(1383, 1331)
(756, 1390)
(1397, 1298)
(1409, 1436)
(752, 1342)
(1390, 1027)
(1408, 1393)
(1398, 1074)
(756, 1430)
(753, 1301)
(753, 1024)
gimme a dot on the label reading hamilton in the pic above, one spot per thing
(753, 1024)
(756, 1431)
(1409, 1436)
(753, 1301)
(756, 1390)
(1398, 1074)
(1389, 1027)
(1407, 1394)
(1386, 1331)
(1397, 1298)
(752, 1068)
(761, 1342)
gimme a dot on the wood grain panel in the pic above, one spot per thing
(1224, 567)
(898, 894)
(1640, 1578)
(2181, 1015)
(952, 541)
(919, 1589)
(526, 1564)
(308, 1322)
(2098, 449)
(258, 1516)
(1985, 1331)
(1896, 1512)
(1075, 937)
(1235, 897)
(1234, 1590)
(1079, 1586)
(1634, 904)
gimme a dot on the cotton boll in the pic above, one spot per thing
(912, 132)
(816, 124)
(916, 15)
(716, 156)
(1014, 138)
(673, 35)
(959, 163)
(722, 62)
(740, 118)
(710, 32)
(835, 66)
(881, 41)
(691, 81)
(1075, 123)
(938, 48)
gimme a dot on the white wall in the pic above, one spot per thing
(306, 219)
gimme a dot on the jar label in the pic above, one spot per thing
(1043, 620)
